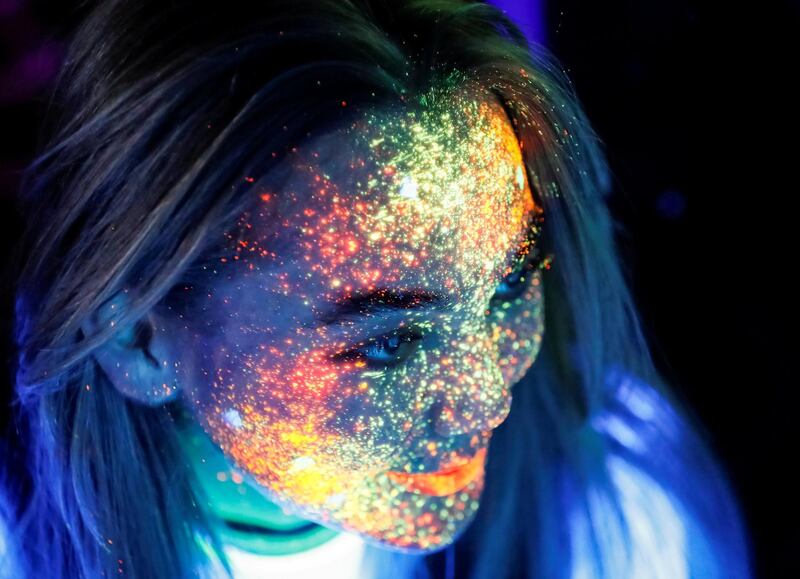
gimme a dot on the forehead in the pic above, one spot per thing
(431, 195)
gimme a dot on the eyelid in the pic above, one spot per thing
(359, 329)
(533, 261)
(353, 353)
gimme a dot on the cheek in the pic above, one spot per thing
(518, 329)
(303, 426)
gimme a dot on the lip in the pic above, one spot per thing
(442, 482)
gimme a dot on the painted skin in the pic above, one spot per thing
(419, 225)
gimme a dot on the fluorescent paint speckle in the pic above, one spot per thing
(371, 314)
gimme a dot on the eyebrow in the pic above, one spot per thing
(388, 300)
(383, 300)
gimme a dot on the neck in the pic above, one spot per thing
(243, 516)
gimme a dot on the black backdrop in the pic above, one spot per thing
(696, 106)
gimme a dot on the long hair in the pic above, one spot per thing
(160, 111)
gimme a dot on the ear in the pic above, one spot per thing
(141, 359)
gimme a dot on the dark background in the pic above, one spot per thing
(697, 108)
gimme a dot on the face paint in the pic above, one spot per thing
(359, 340)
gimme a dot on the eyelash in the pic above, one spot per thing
(410, 338)
(524, 272)
(407, 338)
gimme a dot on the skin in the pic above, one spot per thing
(425, 205)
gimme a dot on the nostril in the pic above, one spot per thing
(471, 393)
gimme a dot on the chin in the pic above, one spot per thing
(419, 547)
(411, 549)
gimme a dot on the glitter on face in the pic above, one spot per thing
(371, 316)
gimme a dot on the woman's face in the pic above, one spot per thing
(366, 325)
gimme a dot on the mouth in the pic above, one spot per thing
(442, 482)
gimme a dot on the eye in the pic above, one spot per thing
(385, 351)
(516, 282)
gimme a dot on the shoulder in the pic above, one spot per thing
(680, 514)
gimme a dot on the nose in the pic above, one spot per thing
(473, 395)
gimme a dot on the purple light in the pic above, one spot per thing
(529, 15)
(8, 7)
(30, 72)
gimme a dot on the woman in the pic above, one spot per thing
(287, 265)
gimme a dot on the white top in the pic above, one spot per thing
(338, 558)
